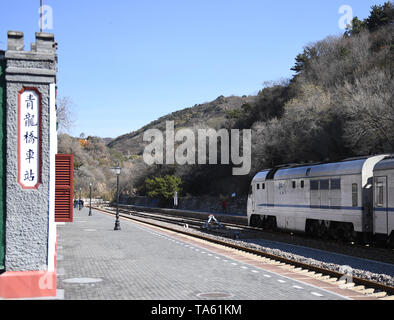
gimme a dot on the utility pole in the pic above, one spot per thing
(90, 196)
(41, 15)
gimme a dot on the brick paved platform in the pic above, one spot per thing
(137, 262)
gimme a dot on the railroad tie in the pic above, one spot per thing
(387, 298)
(358, 288)
(341, 282)
(380, 294)
(369, 291)
(347, 285)
(331, 279)
(304, 271)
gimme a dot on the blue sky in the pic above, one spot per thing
(126, 63)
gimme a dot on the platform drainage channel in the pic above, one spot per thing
(82, 280)
(215, 295)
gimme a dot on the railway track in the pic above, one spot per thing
(195, 223)
(358, 284)
(241, 231)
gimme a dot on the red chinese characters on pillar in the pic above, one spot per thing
(29, 138)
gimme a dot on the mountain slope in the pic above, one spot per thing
(211, 114)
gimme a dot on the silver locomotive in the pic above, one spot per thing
(349, 199)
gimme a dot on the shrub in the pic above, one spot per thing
(163, 188)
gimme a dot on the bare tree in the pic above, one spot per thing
(368, 103)
(65, 116)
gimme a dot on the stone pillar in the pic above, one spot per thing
(30, 230)
(2, 159)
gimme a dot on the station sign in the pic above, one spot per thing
(29, 138)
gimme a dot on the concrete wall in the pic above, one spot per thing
(27, 222)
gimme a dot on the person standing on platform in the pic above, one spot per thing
(224, 206)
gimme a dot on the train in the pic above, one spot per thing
(351, 199)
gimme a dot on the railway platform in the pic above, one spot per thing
(142, 263)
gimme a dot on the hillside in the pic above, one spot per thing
(207, 115)
(94, 156)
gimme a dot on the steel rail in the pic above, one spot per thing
(175, 219)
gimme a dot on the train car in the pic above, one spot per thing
(328, 198)
(383, 210)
